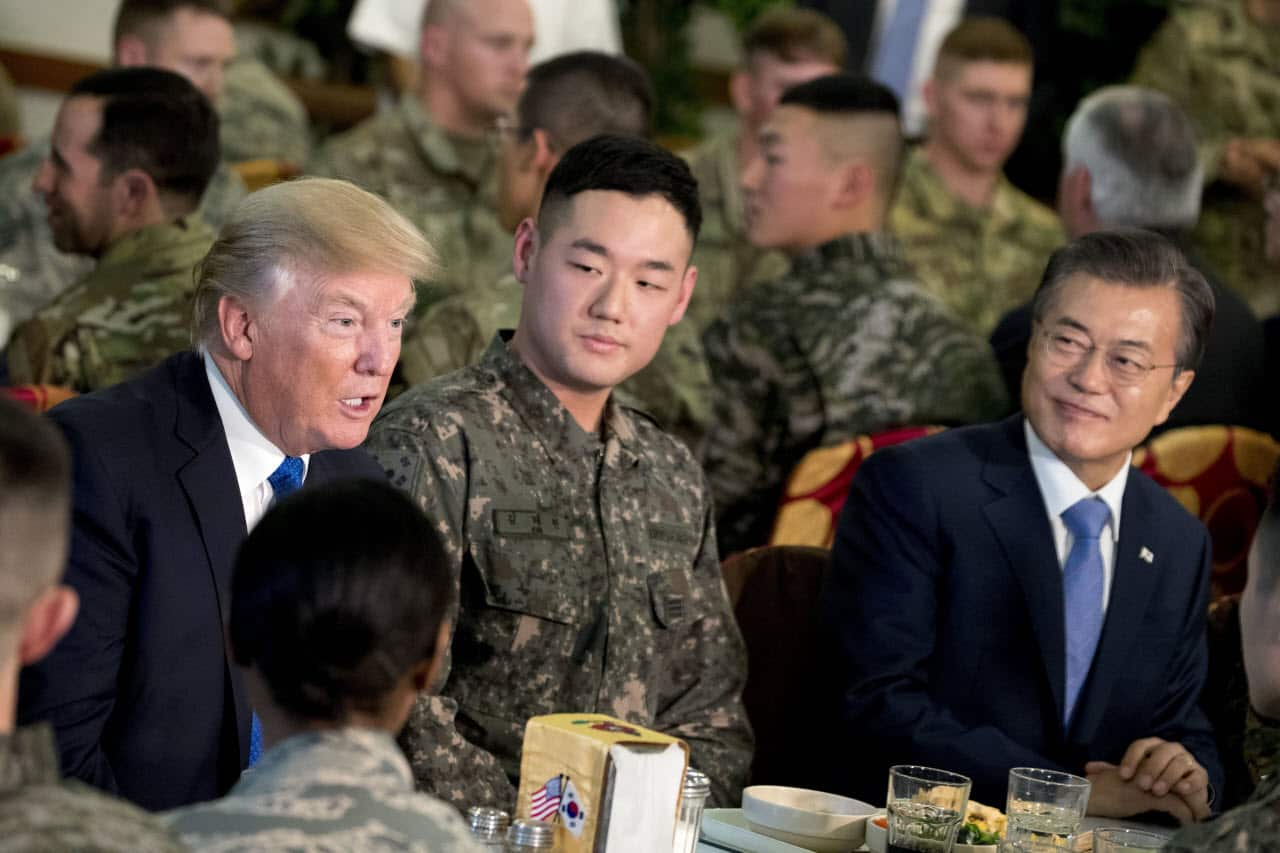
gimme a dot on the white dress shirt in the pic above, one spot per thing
(940, 16)
(559, 26)
(1061, 489)
(253, 455)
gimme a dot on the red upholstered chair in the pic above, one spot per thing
(818, 485)
(40, 398)
(1221, 475)
(776, 597)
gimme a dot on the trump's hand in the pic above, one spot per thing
(1113, 796)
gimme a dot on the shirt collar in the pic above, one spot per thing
(879, 247)
(366, 757)
(1062, 489)
(28, 757)
(253, 455)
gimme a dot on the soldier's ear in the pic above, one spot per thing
(48, 618)
(130, 51)
(526, 247)
(544, 158)
(740, 91)
(855, 184)
(134, 193)
(433, 47)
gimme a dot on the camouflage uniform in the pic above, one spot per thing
(131, 312)
(32, 270)
(727, 262)
(1254, 827)
(1224, 70)
(40, 811)
(674, 388)
(283, 52)
(261, 118)
(588, 576)
(347, 789)
(845, 344)
(982, 262)
(444, 184)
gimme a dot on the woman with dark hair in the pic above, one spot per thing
(338, 615)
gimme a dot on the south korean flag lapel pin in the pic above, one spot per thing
(573, 814)
(1146, 556)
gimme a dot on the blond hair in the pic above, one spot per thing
(311, 226)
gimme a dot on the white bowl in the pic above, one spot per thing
(825, 823)
(878, 840)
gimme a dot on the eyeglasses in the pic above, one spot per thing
(1125, 366)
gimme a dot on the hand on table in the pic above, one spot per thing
(1113, 796)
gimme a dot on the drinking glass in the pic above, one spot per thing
(1058, 845)
(1044, 805)
(1112, 840)
(926, 807)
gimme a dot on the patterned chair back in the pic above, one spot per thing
(819, 484)
(1220, 474)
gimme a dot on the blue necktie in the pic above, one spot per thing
(1082, 580)
(896, 53)
(285, 479)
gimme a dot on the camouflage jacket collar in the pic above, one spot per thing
(547, 417)
(879, 248)
(28, 757)
(368, 758)
(436, 145)
(944, 206)
(159, 249)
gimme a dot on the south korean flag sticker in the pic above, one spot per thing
(572, 813)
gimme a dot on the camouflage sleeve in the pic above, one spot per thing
(424, 459)
(1261, 745)
(748, 426)
(1165, 64)
(446, 338)
(952, 372)
(261, 117)
(712, 661)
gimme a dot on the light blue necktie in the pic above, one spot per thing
(285, 479)
(1082, 580)
(896, 53)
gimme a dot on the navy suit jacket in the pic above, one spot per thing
(945, 596)
(141, 692)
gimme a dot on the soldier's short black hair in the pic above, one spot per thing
(338, 593)
(156, 121)
(136, 17)
(1135, 257)
(578, 95)
(842, 93)
(623, 164)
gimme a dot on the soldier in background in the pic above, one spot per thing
(782, 47)
(41, 811)
(846, 343)
(1220, 60)
(977, 242)
(1256, 824)
(567, 100)
(189, 37)
(131, 155)
(432, 156)
(579, 534)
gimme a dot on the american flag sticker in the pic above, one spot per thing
(545, 802)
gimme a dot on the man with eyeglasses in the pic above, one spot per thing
(1015, 594)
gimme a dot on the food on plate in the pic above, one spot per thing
(982, 825)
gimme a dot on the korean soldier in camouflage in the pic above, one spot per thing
(579, 534)
(977, 242)
(846, 343)
(1220, 60)
(567, 99)
(432, 156)
(41, 811)
(132, 152)
(1254, 826)
(189, 37)
(343, 626)
(784, 46)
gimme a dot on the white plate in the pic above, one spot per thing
(728, 828)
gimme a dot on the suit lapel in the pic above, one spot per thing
(1132, 583)
(209, 481)
(1018, 519)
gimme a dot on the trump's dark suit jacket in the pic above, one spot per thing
(141, 692)
(946, 598)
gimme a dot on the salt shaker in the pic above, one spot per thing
(530, 836)
(488, 826)
(697, 787)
